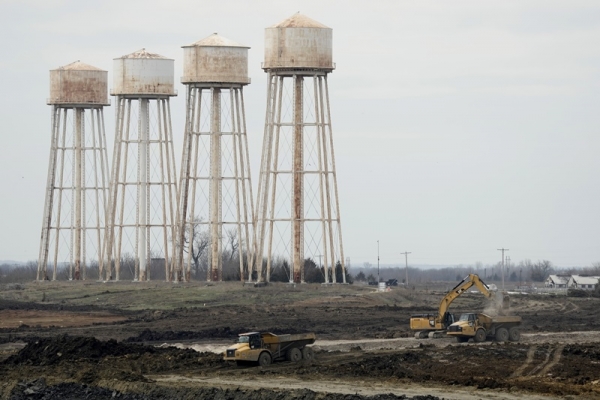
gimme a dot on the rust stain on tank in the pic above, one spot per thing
(78, 83)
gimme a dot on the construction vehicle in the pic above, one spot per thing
(435, 325)
(265, 348)
(479, 327)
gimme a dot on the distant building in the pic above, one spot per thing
(557, 281)
(583, 282)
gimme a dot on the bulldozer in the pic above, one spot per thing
(435, 325)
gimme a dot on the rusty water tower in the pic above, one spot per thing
(215, 217)
(143, 185)
(298, 213)
(77, 185)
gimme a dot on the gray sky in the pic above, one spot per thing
(460, 127)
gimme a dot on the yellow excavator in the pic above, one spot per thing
(435, 325)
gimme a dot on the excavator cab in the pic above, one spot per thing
(448, 318)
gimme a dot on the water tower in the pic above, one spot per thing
(215, 217)
(77, 185)
(298, 215)
(143, 191)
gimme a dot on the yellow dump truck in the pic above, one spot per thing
(265, 347)
(482, 326)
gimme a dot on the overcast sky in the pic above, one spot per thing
(460, 127)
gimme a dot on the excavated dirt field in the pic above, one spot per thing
(92, 340)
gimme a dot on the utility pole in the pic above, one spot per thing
(378, 262)
(326, 279)
(521, 277)
(503, 250)
(406, 253)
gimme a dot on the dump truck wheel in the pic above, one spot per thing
(461, 339)
(264, 359)
(294, 355)
(514, 334)
(501, 335)
(308, 353)
(480, 335)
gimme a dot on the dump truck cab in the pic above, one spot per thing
(264, 348)
(248, 346)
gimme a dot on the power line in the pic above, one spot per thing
(378, 262)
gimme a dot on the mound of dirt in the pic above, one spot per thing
(59, 349)
(50, 351)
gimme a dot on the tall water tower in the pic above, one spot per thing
(143, 186)
(77, 184)
(215, 217)
(298, 215)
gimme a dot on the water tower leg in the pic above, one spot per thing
(215, 186)
(338, 219)
(42, 273)
(143, 189)
(78, 192)
(298, 183)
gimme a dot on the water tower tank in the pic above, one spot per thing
(78, 84)
(143, 73)
(298, 42)
(215, 59)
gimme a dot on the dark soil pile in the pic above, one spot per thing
(69, 349)
(50, 351)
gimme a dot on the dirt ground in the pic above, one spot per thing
(158, 340)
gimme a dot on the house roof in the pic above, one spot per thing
(559, 279)
(585, 280)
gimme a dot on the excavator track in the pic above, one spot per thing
(437, 335)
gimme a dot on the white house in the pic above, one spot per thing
(583, 282)
(557, 281)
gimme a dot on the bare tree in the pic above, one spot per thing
(196, 245)
(541, 270)
(232, 242)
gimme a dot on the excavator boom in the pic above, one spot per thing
(424, 323)
(464, 285)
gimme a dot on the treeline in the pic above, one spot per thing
(280, 271)
(523, 273)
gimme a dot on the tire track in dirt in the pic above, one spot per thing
(553, 356)
(530, 354)
(555, 360)
(538, 367)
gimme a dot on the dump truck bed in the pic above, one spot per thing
(501, 319)
(306, 338)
